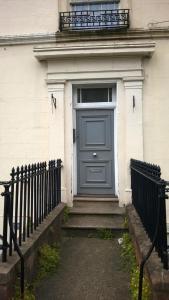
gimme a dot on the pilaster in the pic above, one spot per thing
(56, 94)
(134, 126)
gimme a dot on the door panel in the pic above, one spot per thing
(95, 151)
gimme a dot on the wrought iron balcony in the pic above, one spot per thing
(94, 20)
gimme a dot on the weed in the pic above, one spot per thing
(129, 259)
(66, 214)
(105, 234)
(134, 284)
(48, 259)
(127, 252)
(126, 225)
(28, 294)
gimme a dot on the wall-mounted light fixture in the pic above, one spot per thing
(134, 103)
(53, 99)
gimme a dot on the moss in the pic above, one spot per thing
(130, 263)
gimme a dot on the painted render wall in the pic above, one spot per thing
(24, 109)
(145, 12)
(19, 17)
(156, 107)
(37, 16)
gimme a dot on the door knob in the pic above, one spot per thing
(94, 154)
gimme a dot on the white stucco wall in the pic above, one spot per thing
(38, 16)
(24, 109)
(29, 16)
(156, 107)
(145, 12)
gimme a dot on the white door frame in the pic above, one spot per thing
(80, 106)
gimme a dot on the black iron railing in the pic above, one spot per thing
(98, 19)
(31, 194)
(148, 198)
(35, 190)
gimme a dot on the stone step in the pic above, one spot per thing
(94, 209)
(95, 199)
(92, 232)
(95, 222)
(91, 203)
(90, 214)
(88, 205)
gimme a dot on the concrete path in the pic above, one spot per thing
(90, 269)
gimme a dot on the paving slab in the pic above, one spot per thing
(90, 269)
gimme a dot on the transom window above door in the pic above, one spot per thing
(95, 95)
(91, 95)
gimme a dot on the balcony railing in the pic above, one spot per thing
(94, 20)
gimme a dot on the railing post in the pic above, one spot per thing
(28, 205)
(6, 195)
(11, 210)
(49, 187)
(55, 183)
(60, 22)
(162, 233)
(16, 203)
(35, 198)
(32, 199)
(21, 206)
(45, 190)
(24, 202)
(59, 165)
